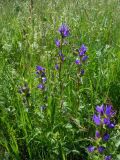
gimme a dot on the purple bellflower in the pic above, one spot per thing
(101, 149)
(40, 71)
(109, 112)
(82, 50)
(56, 67)
(41, 86)
(108, 157)
(104, 115)
(77, 61)
(100, 109)
(105, 110)
(106, 121)
(84, 58)
(39, 68)
(82, 72)
(57, 42)
(111, 125)
(91, 148)
(44, 79)
(97, 134)
(106, 137)
(64, 31)
(96, 119)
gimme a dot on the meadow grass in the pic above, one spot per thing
(65, 128)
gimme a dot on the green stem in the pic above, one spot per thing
(60, 69)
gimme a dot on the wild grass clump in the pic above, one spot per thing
(60, 80)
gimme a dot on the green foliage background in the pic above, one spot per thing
(27, 35)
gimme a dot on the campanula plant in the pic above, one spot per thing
(80, 64)
(60, 57)
(61, 74)
(105, 122)
(80, 61)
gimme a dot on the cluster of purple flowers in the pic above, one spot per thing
(104, 118)
(64, 32)
(82, 57)
(92, 148)
(40, 71)
(105, 115)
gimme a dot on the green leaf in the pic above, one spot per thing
(118, 157)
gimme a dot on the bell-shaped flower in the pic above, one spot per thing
(64, 31)
(82, 50)
(100, 109)
(109, 111)
(101, 149)
(91, 148)
(97, 134)
(106, 137)
(108, 157)
(96, 119)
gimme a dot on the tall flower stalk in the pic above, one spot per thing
(41, 75)
(64, 32)
(80, 61)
